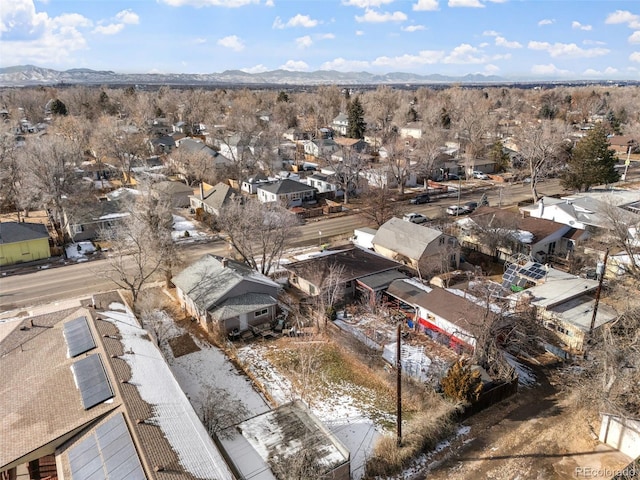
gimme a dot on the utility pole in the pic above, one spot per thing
(399, 385)
(626, 163)
(595, 307)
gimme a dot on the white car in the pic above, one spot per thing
(456, 210)
(480, 175)
(415, 218)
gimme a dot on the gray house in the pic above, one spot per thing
(212, 198)
(175, 194)
(226, 295)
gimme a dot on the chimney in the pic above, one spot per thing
(541, 207)
(201, 191)
(225, 262)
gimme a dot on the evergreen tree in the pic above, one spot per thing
(355, 116)
(592, 162)
(58, 107)
(461, 383)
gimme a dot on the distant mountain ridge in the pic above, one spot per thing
(33, 75)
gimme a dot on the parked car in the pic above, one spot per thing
(415, 218)
(453, 176)
(480, 175)
(421, 198)
(470, 206)
(456, 210)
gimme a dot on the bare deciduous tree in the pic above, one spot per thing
(378, 205)
(259, 233)
(219, 410)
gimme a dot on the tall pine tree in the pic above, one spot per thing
(355, 117)
(592, 162)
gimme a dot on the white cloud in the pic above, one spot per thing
(128, 16)
(546, 21)
(590, 72)
(490, 33)
(549, 69)
(503, 42)
(359, 33)
(29, 36)
(326, 36)
(373, 16)
(567, 50)
(578, 26)
(634, 37)
(232, 42)
(491, 69)
(465, 54)
(466, 3)
(256, 69)
(593, 42)
(635, 57)
(200, 40)
(343, 65)
(269, 3)
(623, 16)
(296, 21)
(210, 3)
(484, 45)
(366, 3)
(110, 29)
(425, 6)
(413, 28)
(304, 42)
(295, 66)
(424, 57)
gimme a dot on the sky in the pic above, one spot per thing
(513, 39)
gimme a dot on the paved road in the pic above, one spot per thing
(45, 286)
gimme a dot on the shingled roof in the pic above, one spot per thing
(13, 232)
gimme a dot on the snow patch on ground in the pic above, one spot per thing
(182, 225)
(78, 251)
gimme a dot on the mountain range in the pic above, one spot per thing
(25, 75)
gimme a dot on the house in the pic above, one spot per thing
(504, 235)
(340, 124)
(564, 303)
(226, 295)
(295, 134)
(424, 249)
(325, 183)
(382, 176)
(582, 211)
(351, 144)
(482, 165)
(96, 398)
(162, 144)
(343, 267)
(411, 130)
(175, 193)
(88, 220)
(250, 185)
(287, 191)
(320, 148)
(453, 320)
(272, 441)
(623, 144)
(212, 198)
(23, 242)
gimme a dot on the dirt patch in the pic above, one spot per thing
(183, 345)
(539, 434)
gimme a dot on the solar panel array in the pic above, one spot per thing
(92, 380)
(106, 454)
(509, 276)
(519, 276)
(535, 271)
(78, 336)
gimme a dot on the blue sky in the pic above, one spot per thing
(518, 39)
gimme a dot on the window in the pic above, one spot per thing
(442, 240)
(261, 313)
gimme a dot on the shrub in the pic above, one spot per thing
(461, 383)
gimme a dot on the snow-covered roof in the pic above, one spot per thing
(171, 409)
(405, 238)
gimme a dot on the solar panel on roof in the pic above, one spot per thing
(92, 380)
(509, 275)
(78, 336)
(107, 454)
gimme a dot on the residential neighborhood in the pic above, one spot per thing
(328, 283)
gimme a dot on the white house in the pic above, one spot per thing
(288, 191)
(340, 123)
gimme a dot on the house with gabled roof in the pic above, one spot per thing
(175, 194)
(23, 242)
(424, 249)
(212, 198)
(227, 295)
(96, 399)
(340, 124)
(345, 265)
(287, 191)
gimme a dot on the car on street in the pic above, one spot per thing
(470, 206)
(480, 175)
(415, 218)
(420, 198)
(452, 176)
(456, 210)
